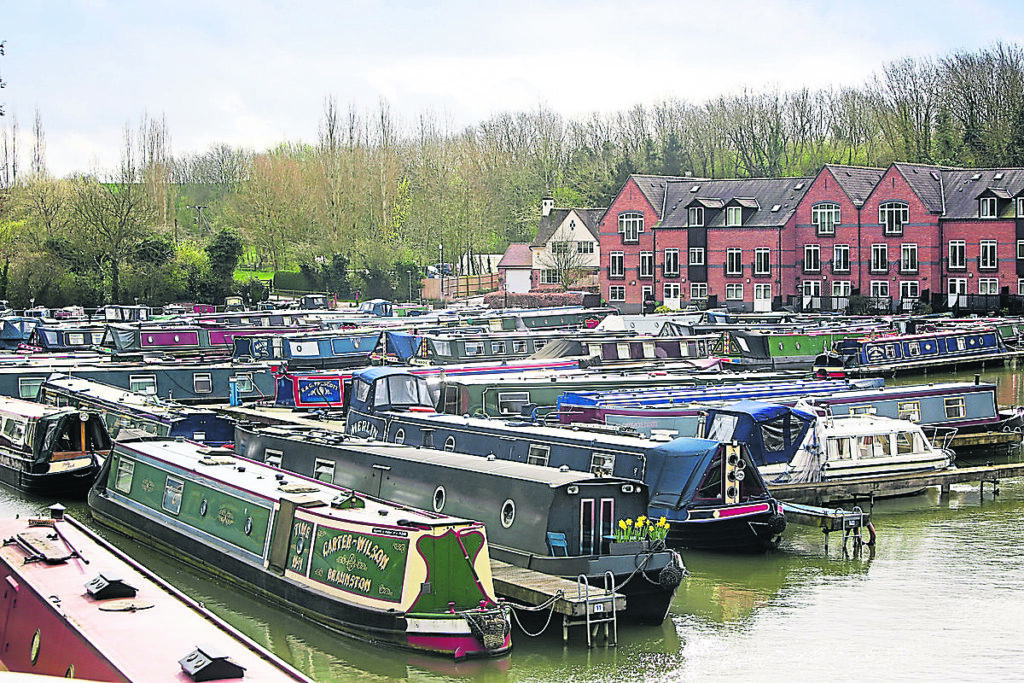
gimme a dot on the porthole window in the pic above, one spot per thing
(203, 508)
(508, 513)
(37, 640)
(70, 672)
(400, 436)
(449, 444)
(439, 499)
(248, 526)
(780, 346)
(177, 338)
(798, 346)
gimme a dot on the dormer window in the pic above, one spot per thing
(825, 218)
(696, 216)
(631, 224)
(734, 216)
(987, 207)
(893, 216)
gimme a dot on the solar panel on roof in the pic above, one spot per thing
(976, 176)
(776, 208)
(999, 176)
(695, 188)
(799, 186)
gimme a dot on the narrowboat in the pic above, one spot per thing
(377, 571)
(49, 451)
(16, 330)
(77, 607)
(559, 317)
(552, 521)
(67, 336)
(179, 341)
(781, 349)
(619, 350)
(308, 350)
(456, 346)
(182, 381)
(136, 413)
(894, 353)
(323, 389)
(389, 404)
(807, 443)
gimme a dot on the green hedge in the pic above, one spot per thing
(293, 282)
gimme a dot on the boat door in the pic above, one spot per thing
(957, 292)
(379, 473)
(10, 587)
(762, 298)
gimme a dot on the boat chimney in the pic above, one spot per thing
(57, 512)
(977, 379)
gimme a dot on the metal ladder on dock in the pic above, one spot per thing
(600, 603)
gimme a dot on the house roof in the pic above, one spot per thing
(654, 187)
(856, 181)
(517, 255)
(926, 182)
(554, 220)
(767, 202)
(962, 187)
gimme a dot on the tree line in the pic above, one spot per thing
(374, 198)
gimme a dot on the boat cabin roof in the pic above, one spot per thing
(29, 409)
(866, 425)
(273, 484)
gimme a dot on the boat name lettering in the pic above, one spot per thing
(361, 545)
(390, 532)
(346, 580)
(364, 428)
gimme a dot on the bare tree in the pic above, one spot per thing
(563, 256)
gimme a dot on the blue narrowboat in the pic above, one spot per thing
(309, 350)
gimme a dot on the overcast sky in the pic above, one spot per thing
(253, 73)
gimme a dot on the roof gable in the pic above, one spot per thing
(549, 225)
(767, 202)
(518, 255)
(858, 182)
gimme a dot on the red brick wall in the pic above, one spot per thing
(824, 188)
(1003, 231)
(630, 198)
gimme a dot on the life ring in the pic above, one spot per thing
(872, 537)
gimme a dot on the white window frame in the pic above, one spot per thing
(825, 217)
(671, 263)
(1020, 286)
(811, 288)
(646, 264)
(910, 289)
(1020, 207)
(988, 286)
(762, 261)
(812, 258)
(841, 288)
(733, 261)
(988, 207)
(698, 291)
(585, 247)
(696, 256)
(841, 258)
(617, 293)
(893, 216)
(733, 216)
(617, 264)
(908, 258)
(879, 289)
(957, 254)
(549, 276)
(1020, 248)
(734, 291)
(695, 216)
(880, 258)
(671, 290)
(988, 255)
(631, 224)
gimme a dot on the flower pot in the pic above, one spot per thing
(627, 547)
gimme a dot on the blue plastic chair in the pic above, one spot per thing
(557, 540)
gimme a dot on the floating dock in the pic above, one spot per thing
(579, 604)
(817, 493)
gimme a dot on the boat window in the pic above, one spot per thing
(955, 407)
(519, 346)
(441, 348)
(512, 402)
(202, 382)
(362, 390)
(909, 410)
(142, 384)
(272, 457)
(76, 338)
(28, 387)
(622, 351)
(172, 495)
(778, 432)
(905, 443)
(323, 470)
(14, 430)
(913, 348)
(538, 455)
(244, 382)
(399, 436)
(449, 444)
(440, 497)
(722, 428)
(861, 410)
(402, 390)
(711, 486)
(594, 349)
(602, 464)
(539, 344)
(199, 437)
(508, 513)
(839, 449)
(607, 520)
(498, 348)
(874, 446)
(648, 349)
(587, 526)
(125, 473)
(474, 348)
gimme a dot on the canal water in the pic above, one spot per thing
(940, 596)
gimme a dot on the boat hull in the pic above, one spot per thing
(73, 483)
(749, 528)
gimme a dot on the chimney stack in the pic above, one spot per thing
(546, 205)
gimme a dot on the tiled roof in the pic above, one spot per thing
(856, 181)
(774, 200)
(518, 255)
(962, 187)
(550, 223)
(654, 186)
(926, 182)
